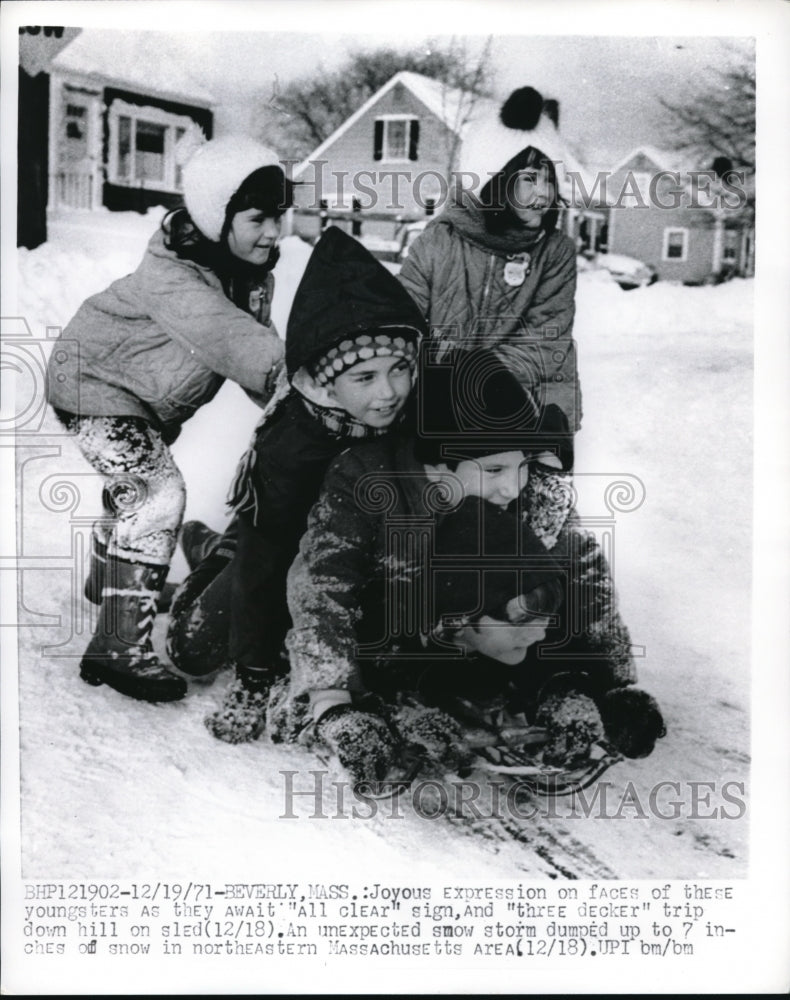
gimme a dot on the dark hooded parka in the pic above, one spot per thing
(344, 292)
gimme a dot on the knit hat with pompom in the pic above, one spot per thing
(212, 173)
(496, 135)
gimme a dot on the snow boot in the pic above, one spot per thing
(197, 630)
(98, 564)
(120, 654)
(95, 581)
(198, 541)
(242, 716)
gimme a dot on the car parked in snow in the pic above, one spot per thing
(406, 235)
(628, 272)
(392, 253)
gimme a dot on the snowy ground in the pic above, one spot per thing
(113, 788)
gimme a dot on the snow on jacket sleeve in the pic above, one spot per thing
(202, 320)
(602, 642)
(597, 640)
(326, 582)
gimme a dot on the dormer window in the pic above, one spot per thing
(396, 138)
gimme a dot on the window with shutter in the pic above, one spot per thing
(396, 138)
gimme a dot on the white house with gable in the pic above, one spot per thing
(118, 103)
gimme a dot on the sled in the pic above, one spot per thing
(545, 779)
(500, 744)
(512, 747)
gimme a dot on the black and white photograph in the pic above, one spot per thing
(394, 523)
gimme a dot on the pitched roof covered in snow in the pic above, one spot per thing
(441, 100)
(140, 61)
(476, 120)
(449, 104)
(661, 158)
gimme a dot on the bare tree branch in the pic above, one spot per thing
(719, 119)
(313, 107)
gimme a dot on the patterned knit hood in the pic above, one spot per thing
(344, 291)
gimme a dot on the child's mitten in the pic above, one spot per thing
(242, 716)
(572, 724)
(440, 736)
(360, 741)
(632, 720)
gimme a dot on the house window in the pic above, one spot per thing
(179, 169)
(124, 170)
(675, 244)
(75, 131)
(75, 121)
(730, 245)
(141, 150)
(142, 146)
(149, 163)
(396, 138)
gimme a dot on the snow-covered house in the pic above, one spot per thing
(398, 152)
(118, 103)
(685, 223)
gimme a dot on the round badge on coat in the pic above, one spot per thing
(516, 270)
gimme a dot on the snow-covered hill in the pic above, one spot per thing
(113, 788)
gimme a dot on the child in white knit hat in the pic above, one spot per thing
(141, 357)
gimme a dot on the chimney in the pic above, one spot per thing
(551, 109)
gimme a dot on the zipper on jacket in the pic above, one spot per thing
(487, 287)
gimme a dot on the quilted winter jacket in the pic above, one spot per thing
(455, 271)
(160, 342)
(358, 558)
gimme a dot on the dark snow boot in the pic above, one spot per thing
(120, 654)
(197, 632)
(94, 584)
(95, 580)
(198, 542)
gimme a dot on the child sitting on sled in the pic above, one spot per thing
(362, 550)
(485, 677)
(505, 606)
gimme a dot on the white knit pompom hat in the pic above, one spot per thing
(491, 141)
(213, 173)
